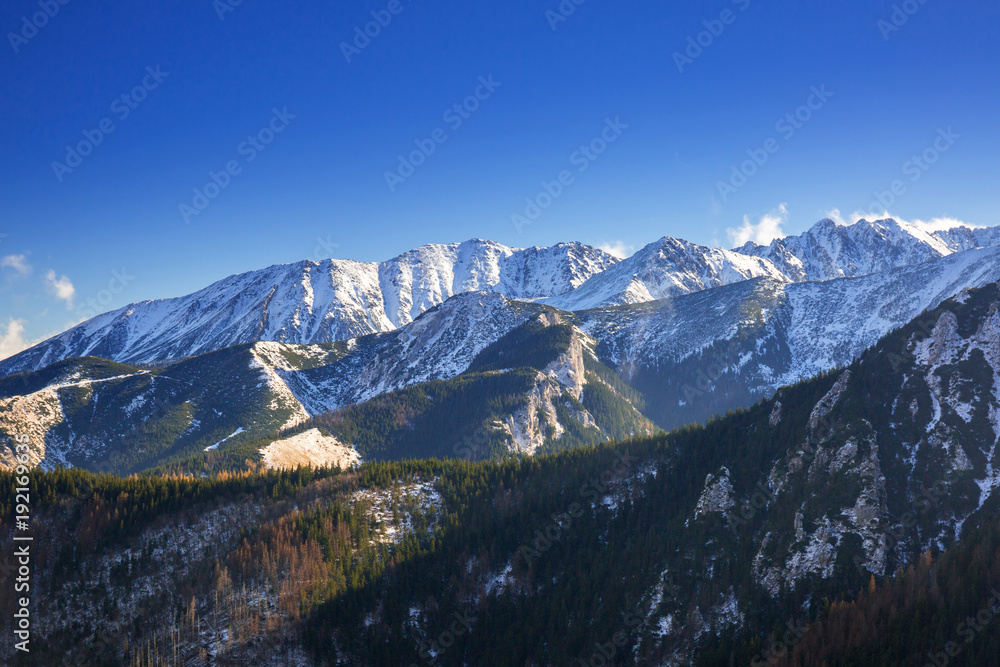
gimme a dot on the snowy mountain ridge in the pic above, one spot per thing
(314, 302)
(830, 250)
(666, 268)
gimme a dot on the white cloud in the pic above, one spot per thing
(61, 287)
(932, 225)
(940, 224)
(12, 341)
(835, 215)
(17, 262)
(617, 249)
(762, 233)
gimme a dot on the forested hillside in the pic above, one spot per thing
(698, 543)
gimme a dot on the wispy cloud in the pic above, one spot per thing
(763, 232)
(61, 287)
(932, 225)
(837, 217)
(12, 340)
(19, 264)
(617, 249)
(940, 224)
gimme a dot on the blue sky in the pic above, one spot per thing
(209, 85)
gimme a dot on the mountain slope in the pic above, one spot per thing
(648, 553)
(829, 250)
(538, 388)
(523, 378)
(315, 302)
(669, 267)
(104, 416)
(678, 361)
(965, 238)
(927, 614)
(702, 354)
(438, 345)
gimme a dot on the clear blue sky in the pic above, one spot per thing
(323, 176)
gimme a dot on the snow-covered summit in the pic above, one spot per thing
(829, 250)
(338, 299)
(666, 268)
(313, 302)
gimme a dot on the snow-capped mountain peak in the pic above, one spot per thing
(313, 302)
(830, 250)
(339, 299)
(665, 268)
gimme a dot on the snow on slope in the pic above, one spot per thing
(669, 267)
(833, 322)
(669, 330)
(966, 238)
(310, 302)
(31, 416)
(425, 277)
(822, 325)
(828, 250)
(439, 345)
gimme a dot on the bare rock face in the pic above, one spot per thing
(566, 375)
(310, 448)
(717, 496)
(27, 422)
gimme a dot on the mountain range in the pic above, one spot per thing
(320, 302)
(683, 331)
(781, 454)
(766, 532)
